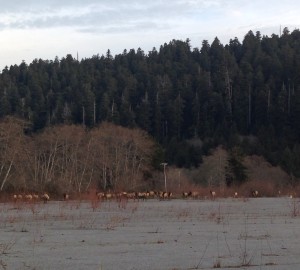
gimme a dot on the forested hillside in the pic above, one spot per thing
(243, 95)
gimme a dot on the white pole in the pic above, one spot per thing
(165, 164)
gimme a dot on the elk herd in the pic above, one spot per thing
(160, 195)
(135, 196)
(212, 194)
(31, 197)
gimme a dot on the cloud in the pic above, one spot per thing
(99, 15)
(130, 15)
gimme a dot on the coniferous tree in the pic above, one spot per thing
(235, 170)
(177, 93)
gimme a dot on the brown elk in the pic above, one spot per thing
(45, 197)
(254, 193)
(213, 194)
(66, 196)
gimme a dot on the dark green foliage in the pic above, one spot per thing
(215, 93)
(183, 154)
(290, 160)
(158, 158)
(235, 171)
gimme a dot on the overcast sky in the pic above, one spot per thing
(48, 28)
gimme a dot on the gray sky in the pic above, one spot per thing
(48, 28)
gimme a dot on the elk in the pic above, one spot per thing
(165, 195)
(194, 194)
(254, 193)
(28, 197)
(108, 196)
(152, 194)
(100, 195)
(122, 196)
(141, 195)
(213, 194)
(66, 196)
(131, 195)
(185, 194)
(45, 197)
(17, 197)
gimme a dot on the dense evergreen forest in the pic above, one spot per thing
(244, 95)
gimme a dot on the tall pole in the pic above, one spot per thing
(165, 164)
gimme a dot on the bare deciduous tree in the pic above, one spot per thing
(70, 158)
(123, 155)
(11, 142)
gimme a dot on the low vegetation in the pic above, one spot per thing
(71, 159)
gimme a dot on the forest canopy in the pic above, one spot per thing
(242, 94)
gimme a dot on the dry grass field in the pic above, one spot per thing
(231, 233)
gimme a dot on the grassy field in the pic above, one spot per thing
(232, 233)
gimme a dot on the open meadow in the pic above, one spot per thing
(231, 233)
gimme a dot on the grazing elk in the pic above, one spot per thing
(185, 195)
(108, 196)
(66, 196)
(45, 197)
(131, 195)
(165, 195)
(213, 194)
(254, 193)
(141, 195)
(17, 197)
(28, 197)
(100, 195)
(152, 194)
(194, 194)
(121, 196)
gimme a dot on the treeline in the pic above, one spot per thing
(70, 158)
(244, 94)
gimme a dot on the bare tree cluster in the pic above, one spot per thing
(71, 158)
